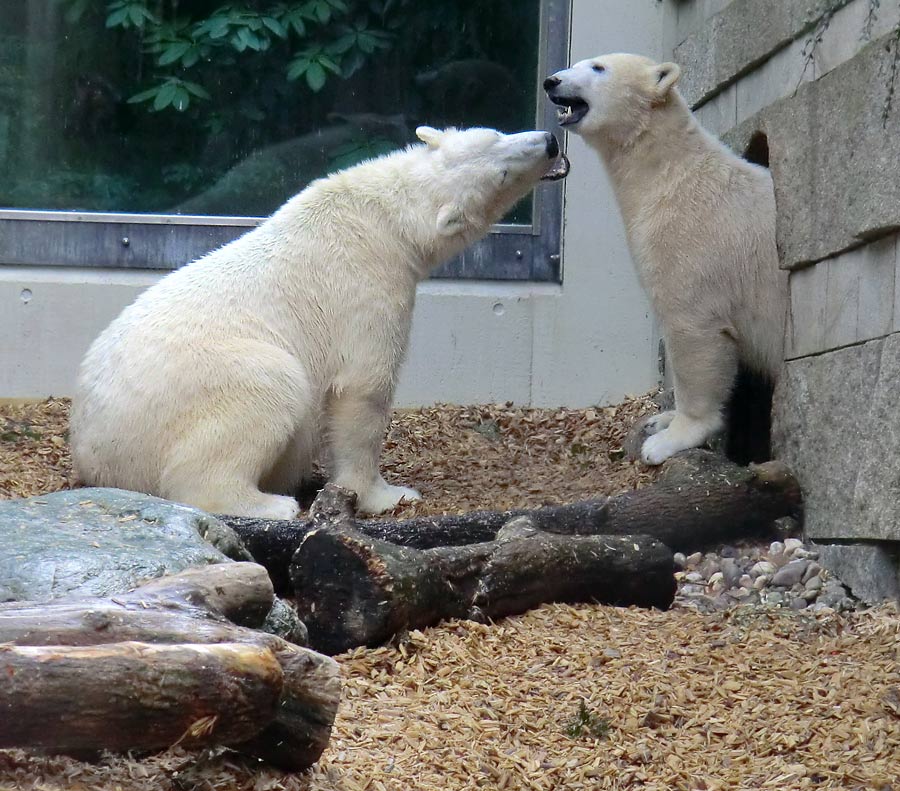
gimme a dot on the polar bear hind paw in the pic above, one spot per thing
(658, 422)
(386, 498)
(269, 506)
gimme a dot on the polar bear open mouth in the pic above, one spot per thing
(558, 170)
(570, 110)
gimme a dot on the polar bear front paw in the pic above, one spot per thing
(275, 506)
(385, 498)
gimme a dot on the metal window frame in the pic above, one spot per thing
(165, 241)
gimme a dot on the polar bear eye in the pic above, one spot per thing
(598, 68)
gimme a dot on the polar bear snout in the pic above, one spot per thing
(552, 146)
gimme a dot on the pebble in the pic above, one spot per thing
(790, 574)
(746, 581)
(694, 559)
(695, 577)
(761, 581)
(813, 570)
(762, 567)
(680, 559)
(791, 545)
(776, 548)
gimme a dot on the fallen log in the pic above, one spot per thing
(353, 589)
(701, 498)
(123, 696)
(154, 639)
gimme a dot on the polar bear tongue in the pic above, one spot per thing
(558, 170)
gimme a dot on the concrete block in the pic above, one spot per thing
(871, 571)
(807, 319)
(841, 299)
(778, 77)
(877, 283)
(850, 29)
(834, 156)
(835, 424)
(743, 35)
(719, 114)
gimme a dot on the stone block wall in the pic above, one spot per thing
(820, 79)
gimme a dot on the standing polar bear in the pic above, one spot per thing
(215, 386)
(700, 223)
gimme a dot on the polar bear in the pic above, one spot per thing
(216, 385)
(700, 224)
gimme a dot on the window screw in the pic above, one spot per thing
(125, 241)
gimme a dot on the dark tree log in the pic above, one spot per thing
(183, 610)
(700, 498)
(356, 590)
(123, 696)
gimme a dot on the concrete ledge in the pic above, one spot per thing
(834, 156)
(739, 38)
(835, 423)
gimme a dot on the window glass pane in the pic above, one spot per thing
(196, 107)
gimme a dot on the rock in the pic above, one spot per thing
(813, 584)
(761, 582)
(283, 621)
(798, 603)
(790, 574)
(695, 577)
(776, 548)
(786, 526)
(693, 559)
(100, 542)
(791, 545)
(871, 571)
(775, 598)
(746, 581)
(731, 572)
(679, 559)
(612, 653)
(812, 572)
(762, 567)
(709, 567)
(728, 552)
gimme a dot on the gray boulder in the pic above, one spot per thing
(101, 542)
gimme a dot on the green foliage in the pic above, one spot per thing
(310, 41)
(586, 723)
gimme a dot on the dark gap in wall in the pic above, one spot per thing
(748, 413)
(748, 418)
(757, 150)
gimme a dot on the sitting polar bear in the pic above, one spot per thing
(700, 223)
(214, 387)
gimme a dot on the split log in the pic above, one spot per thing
(183, 616)
(700, 499)
(356, 590)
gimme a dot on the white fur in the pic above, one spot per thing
(218, 385)
(700, 223)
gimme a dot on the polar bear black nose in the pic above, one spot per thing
(552, 146)
(551, 82)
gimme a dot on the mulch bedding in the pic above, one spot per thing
(562, 697)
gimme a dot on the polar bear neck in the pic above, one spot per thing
(666, 149)
(394, 196)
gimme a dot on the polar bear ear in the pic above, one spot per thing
(665, 76)
(430, 136)
(450, 220)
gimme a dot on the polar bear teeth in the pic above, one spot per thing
(564, 113)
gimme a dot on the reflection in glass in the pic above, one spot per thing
(195, 107)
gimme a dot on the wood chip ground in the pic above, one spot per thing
(563, 697)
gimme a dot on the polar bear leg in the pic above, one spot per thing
(234, 432)
(704, 366)
(357, 425)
